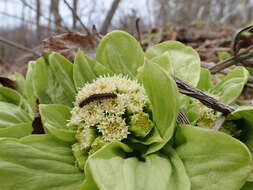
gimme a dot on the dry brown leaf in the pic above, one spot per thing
(67, 44)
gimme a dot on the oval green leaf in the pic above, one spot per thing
(110, 169)
(63, 72)
(17, 131)
(29, 90)
(185, 60)
(54, 118)
(120, 53)
(11, 115)
(165, 62)
(52, 83)
(231, 85)
(13, 97)
(162, 92)
(205, 81)
(213, 160)
(37, 162)
(86, 69)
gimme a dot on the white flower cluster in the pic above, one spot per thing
(110, 117)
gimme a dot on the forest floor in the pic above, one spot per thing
(215, 44)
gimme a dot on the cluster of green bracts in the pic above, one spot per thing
(110, 123)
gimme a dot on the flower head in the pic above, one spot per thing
(113, 129)
(109, 109)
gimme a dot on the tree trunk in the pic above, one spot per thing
(107, 21)
(56, 13)
(38, 14)
(75, 5)
(244, 10)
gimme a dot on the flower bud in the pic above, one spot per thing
(80, 155)
(97, 144)
(140, 124)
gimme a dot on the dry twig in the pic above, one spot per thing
(77, 17)
(205, 99)
(231, 61)
(26, 21)
(235, 43)
(138, 32)
(225, 71)
(182, 118)
(63, 29)
(18, 46)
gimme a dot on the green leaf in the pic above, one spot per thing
(110, 169)
(19, 80)
(250, 178)
(165, 62)
(152, 138)
(245, 116)
(29, 90)
(242, 112)
(15, 114)
(37, 162)
(42, 80)
(13, 97)
(162, 92)
(192, 112)
(223, 55)
(248, 186)
(213, 160)
(63, 72)
(86, 69)
(17, 130)
(120, 53)
(54, 118)
(52, 83)
(244, 120)
(185, 60)
(231, 85)
(205, 81)
(11, 114)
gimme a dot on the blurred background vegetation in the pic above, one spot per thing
(28, 22)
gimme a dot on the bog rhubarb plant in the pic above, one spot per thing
(110, 123)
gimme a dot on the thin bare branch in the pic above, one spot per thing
(77, 17)
(63, 29)
(25, 21)
(231, 61)
(28, 5)
(74, 19)
(107, 21)
(18, 46)
(91, 11)
(236, 40)
(225, 71)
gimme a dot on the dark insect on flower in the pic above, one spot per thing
(94, 97)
